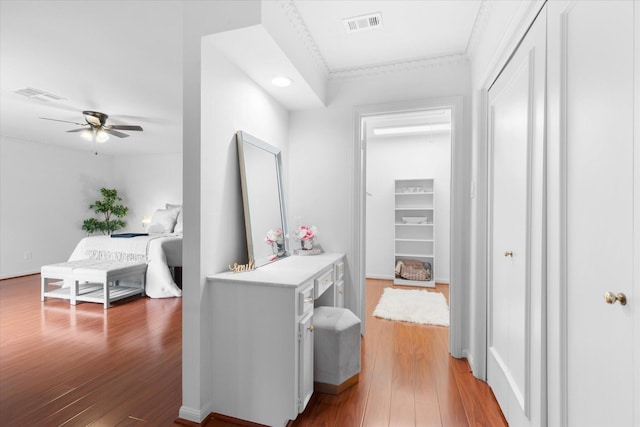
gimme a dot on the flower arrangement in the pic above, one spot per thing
(274, 236)
(304, 232)
(306, 235)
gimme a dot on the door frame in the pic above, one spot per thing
(458, 205)
(478, 271)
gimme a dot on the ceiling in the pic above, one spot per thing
(411, 29)
(125, 59)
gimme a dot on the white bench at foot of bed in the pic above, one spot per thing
(94, 281)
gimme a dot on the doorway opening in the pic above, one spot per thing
(408, 185)
(367, 117)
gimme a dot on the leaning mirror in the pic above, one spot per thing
(263, 198)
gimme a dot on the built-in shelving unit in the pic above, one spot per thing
(414, 231)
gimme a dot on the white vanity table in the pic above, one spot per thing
(263, 342)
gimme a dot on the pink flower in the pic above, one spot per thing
(305, 232)
(274, 236)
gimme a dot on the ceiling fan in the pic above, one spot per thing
(96, 127)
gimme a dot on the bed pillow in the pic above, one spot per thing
(163, 221)
(178, 228)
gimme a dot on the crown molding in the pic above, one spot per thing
(296, 21)
(479, 26)
(292, 14)
(415, 64)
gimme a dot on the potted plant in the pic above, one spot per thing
(111, 210)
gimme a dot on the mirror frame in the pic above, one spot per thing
(245, 139)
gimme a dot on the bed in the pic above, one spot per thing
(160, 248)
(161, 253)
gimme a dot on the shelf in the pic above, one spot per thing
(414, 240)
(410, 193)
(94, 292)
(406, 255)
(425, 283)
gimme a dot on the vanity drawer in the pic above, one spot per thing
(305, 303)
(323, 283)
(339, 270)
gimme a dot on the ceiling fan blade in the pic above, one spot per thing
(124, 127)
(63, 121)
(116, 133)
(77, 130)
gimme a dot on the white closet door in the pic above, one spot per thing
(516, 143)
(591, 213)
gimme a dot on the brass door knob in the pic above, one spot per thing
(311, 328)
(611, 298)
(508, 254)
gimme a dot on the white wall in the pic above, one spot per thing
(147, 182)
(218, 100)
(406, 157)
(322, 150)
(231, 102)
(45, 192)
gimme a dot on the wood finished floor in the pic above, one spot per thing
(85, 366)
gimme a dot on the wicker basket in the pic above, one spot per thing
(413, 270)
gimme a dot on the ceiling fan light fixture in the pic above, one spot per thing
(95, 118)
(102, 136)
(87, 134)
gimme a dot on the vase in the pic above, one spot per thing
(278, 248)
(306, 244)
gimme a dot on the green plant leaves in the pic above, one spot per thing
(108, 208)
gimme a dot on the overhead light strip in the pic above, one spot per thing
(402, 130)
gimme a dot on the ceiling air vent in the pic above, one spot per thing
(38, 94)
(363, 22)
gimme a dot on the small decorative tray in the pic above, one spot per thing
(307, 252)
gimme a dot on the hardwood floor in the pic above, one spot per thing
(407, 378)
(85, 366)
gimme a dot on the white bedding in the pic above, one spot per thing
(160, 252)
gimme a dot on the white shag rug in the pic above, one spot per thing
(413, 305)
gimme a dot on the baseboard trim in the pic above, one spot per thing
(19, 276)
(188, 423)
(236, 421)
(336, 389)
(188, 414)
(213, 416)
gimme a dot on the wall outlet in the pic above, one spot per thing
(27, 254)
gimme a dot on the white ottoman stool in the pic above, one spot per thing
(336, 349)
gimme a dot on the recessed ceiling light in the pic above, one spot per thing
(281, 81)
(398, 130)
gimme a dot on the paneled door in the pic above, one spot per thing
(594, 213)
(516, 234)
